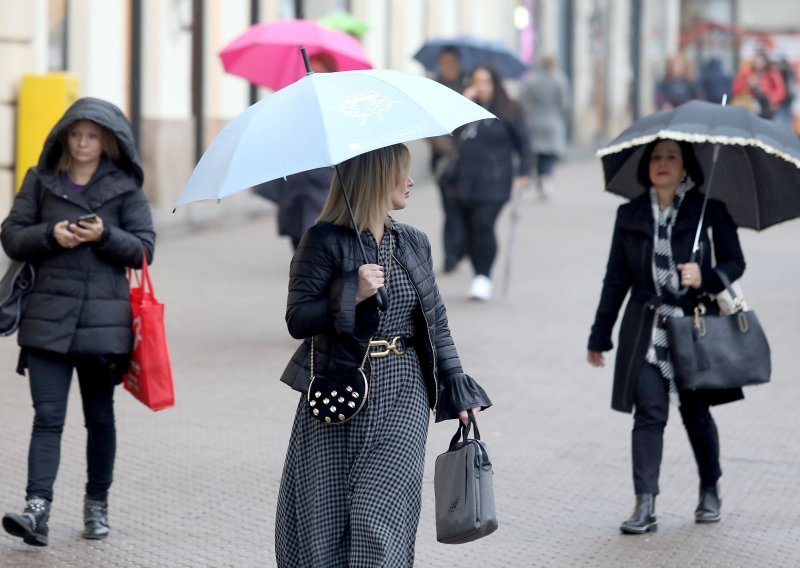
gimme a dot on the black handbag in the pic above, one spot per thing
(15, 286)
(463, 485)
(446, 171)
(337, 399)
(719, 352)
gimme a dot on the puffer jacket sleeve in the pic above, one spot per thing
(23, 235)
(457, 390)
(124, 244)
(322, 299)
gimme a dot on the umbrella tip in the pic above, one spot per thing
(173, 211)
(306, 60)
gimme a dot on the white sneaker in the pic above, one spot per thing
(481, 288)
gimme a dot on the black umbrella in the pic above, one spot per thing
(757, 172)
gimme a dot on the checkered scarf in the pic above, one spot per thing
(665, 276)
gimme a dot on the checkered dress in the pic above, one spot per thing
(350, 493)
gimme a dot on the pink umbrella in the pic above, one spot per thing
(269, 54)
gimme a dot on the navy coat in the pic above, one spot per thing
(629, 273)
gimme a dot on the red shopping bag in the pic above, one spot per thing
(149, 376)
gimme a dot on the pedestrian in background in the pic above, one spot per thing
(546, 100)
(444, 154)
(300, 197)
(678, 84)
(350, 493)
(715, 82)
(650, 262)
(759, 86)
(82, 219)
(487, 172)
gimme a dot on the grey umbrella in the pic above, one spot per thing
(757, 173)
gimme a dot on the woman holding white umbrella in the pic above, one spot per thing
(350, 493)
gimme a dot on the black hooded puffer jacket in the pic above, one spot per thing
(322, 290)
(80, 302)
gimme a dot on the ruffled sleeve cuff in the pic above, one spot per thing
(459, 392)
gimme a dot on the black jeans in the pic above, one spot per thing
(50, 377)
(477, 220)
(650, 416)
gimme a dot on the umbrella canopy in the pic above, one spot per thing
(472, 51)
(266, 54)
(322, 120)
(757, 173)
(345, 22)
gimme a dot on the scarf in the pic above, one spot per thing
(666, 279)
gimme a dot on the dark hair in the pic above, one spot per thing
(501, 105)
(690, 163)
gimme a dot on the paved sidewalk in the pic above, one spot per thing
(196, 485)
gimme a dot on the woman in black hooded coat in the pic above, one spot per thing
(81, 218)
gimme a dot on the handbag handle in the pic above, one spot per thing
(737, 300)
(147, 282)
(463, 430)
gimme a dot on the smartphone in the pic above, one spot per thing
(90, 218)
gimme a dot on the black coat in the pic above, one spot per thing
(300, 199)
(80, 302)
(630, 270)
(485, 167)
(322, 289)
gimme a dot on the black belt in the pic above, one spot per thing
(397, 345)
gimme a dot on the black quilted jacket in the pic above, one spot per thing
(322, 288)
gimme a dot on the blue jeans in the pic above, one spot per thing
(50, 377)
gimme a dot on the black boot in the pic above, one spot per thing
(31, 525)
(644, 516)
(95, 519)
(709, 508)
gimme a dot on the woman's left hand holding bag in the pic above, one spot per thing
(464, 417)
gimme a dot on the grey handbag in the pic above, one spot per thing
(464, 489)
(15, 286)
(719, 352)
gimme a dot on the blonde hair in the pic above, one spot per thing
(108, 143)
(369, 180)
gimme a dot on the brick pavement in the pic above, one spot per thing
(196, 485)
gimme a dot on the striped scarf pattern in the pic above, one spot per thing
(665, 277)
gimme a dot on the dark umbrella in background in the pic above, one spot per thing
(757, 171)
(472, 51)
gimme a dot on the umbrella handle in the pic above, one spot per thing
(306, 60)
(381, 298)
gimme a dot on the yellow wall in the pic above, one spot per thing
(42, 101)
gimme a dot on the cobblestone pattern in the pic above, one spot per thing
(196, 485)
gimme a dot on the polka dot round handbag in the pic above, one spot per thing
(337, 399)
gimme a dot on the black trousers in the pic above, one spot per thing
(477, 219)
(50, 377)
(650, 416)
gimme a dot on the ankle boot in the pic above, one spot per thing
(31, 525)
(95, 519)
(643, 518)
(709, 508)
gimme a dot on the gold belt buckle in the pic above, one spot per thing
(388, 347)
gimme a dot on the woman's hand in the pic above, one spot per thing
(595, 358)
(66, 238)
(690, 275)
(522, 181)
(464, 416)
(88, 232)
(370, 278)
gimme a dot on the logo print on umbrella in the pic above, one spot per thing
(366, 104)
